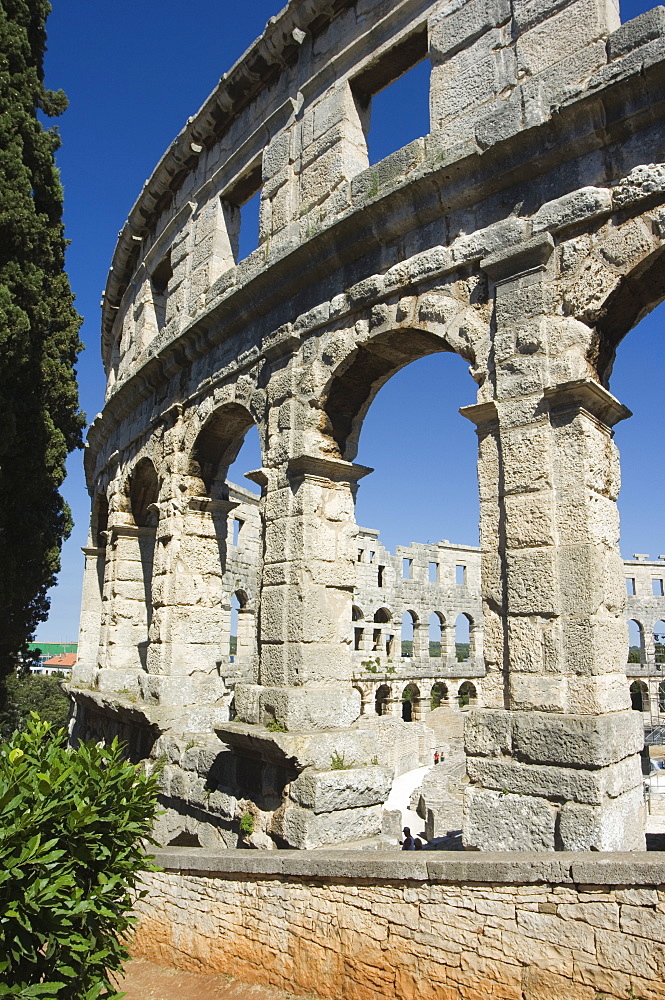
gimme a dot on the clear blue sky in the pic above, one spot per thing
(134, 72)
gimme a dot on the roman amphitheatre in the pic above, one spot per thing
(524, 233)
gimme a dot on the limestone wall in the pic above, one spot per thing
(357, 926)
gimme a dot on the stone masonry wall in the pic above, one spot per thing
(355, 927)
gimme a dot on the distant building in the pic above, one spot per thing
(55, 657)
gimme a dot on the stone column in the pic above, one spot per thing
(90, 624)
(420, 640)
(127, 605)
(305, 647)
(190, 630)
(554, 761)
(448, 650)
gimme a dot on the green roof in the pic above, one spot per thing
(54, 648)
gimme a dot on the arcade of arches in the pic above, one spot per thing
(524, 233)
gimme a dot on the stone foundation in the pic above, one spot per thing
(432, 927)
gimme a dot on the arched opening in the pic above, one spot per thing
(93, 592)
(99, 521)
(217, 446)
(467, 696)
(143, 499)
(410, 703)
(659, 641)
(436, 634)
(242, 639)
(357, 615)
(220, 551)
(409, 623)
(401, 388)
(463, 631)
(382, 639)
(639, 696)
(438, 695)
(144, 493)
(630, 364)
(382, 699)
(636, 645)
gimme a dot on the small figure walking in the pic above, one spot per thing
(436, 756)
(408, 843)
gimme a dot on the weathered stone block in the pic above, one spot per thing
(501, 821)
(452, 30)
(330, 791)
(577, 740)
(304, 829)
(636, 32)
(611, 826)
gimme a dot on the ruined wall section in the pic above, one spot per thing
(525, 233)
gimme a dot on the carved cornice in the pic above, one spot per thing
(586, 394)
(334, 469)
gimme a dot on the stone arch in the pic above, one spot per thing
(467, 695)
(634, 296)
(358, 619)
(383, 615)
(358, 378)
(641, 640)
(143, 489)
(436, 625)
(411, 702)
(438, 695)
(639, 696)
(137, 544)
(242, 626)
(464, 623)
(658, 631)
(216, 446)
(99, 520)
(409, 625)
(382, 698)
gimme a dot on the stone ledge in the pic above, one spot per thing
(592, 868)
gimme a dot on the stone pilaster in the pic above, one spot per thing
(554, 760)
(306, 597)
(127, 605)
(90, 624)
(190, 630)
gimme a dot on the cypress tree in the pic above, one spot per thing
(39, 343)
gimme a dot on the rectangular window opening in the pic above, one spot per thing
(407, 567)
(376, 640)
(237, 527)
(242, 206)
(630, 586)
(433, 572)
(380, 576)
(371, 557)
(159, 280)
(460, 576)
(360, 555)
(392, 96)
(358, 638)
(657, 588)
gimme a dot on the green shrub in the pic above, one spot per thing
(274, 726)
(72, 823)
(247, 823)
